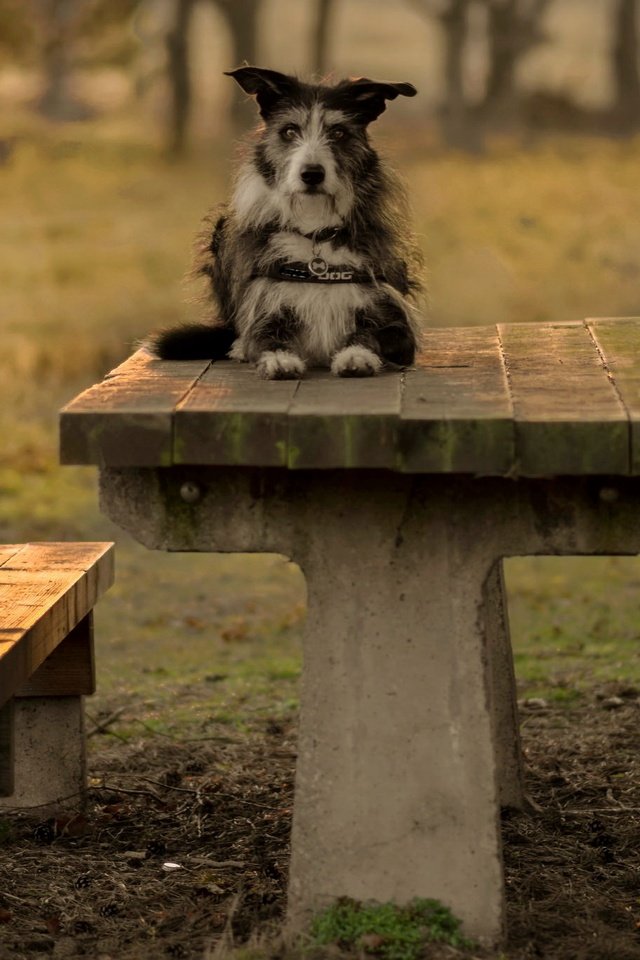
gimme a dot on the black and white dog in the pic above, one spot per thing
(312, 262)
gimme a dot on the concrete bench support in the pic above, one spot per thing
(42, 742)
(49, 752)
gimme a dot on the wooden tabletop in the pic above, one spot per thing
(508, 400)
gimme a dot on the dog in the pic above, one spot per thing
(312, 262)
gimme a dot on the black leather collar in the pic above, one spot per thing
(300, 272)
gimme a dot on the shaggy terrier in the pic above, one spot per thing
(312, 262)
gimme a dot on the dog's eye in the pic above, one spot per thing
(290, 132)
(337, 133)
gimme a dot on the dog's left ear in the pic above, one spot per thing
(366, 99)
(267, 86)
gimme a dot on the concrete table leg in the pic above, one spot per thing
(397, 784)
(49, 752)
(408, 738)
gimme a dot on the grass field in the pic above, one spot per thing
(95, 239)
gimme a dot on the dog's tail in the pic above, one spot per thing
(194, 341)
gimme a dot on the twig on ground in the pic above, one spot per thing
(140, 793)
(158, 783)
(101, 726)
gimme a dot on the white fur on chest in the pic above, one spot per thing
(325, 312)
(294, 247)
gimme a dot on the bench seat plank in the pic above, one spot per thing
(127, 420)
(568, 416)
(230, 418)
(7, 551)
(619, 342)
(40, 606)
(456, 406)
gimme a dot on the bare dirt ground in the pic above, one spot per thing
(183, 844)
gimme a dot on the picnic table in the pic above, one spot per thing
(399, 497)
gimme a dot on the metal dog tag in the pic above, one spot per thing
(318, 266)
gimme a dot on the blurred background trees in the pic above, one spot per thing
(483, 47)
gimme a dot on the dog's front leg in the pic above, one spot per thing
(382, 336)
(272, 345)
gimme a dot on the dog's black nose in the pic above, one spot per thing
(312, 175)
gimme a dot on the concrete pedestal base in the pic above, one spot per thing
(408, 732)
(48, 752)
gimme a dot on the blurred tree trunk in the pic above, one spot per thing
(57, 101)
(458, 125)
(242, 19)
(320, 58)
(626, 71)
(514, 27)
(458, 128)
(179, 78)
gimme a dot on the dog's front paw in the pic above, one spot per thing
(280, 365)
(355, 361)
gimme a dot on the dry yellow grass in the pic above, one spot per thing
(550, 233)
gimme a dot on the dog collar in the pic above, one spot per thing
(318, 271)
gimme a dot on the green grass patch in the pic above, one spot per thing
(575, 623)
(387, 930)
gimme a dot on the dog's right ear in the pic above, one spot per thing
(267, 86)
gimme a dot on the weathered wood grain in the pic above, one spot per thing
(127, 420)
(619, 344)
(348, 423)
(7, 551)
(456, 406)
(39, 607)
(568, 416)
(231, 416)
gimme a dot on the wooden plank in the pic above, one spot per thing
(96, 559)
(7, 752)
(456, 407)
(568, 416)
(27, 595)
(60, 555)
(8, 550)
(619, 343)
(231, 416)
(69, 670)
(127, 420)
(344, 422)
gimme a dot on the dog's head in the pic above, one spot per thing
(314, 145)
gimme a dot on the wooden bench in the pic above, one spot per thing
(398, 497)
(47, 595)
